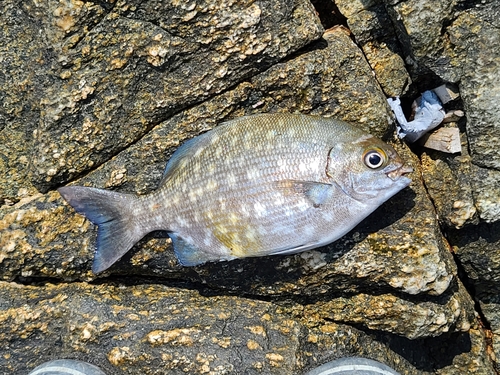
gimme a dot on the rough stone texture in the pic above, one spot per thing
(478, 249)
(475, 48)
(368, 22)
(475, 43)
(462, 46)
(113, 88)
(401, 252)
(419, 25)
(144, 61)
(154, 329)
(21, 80)
(455, 205)
(460, 42)
(405, 317)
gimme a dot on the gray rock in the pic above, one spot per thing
(455, 52)
(472, 33)
(456, 41)
(419, 26)
(398, 249)
(144, 61)
(24, 63)
(490, 308)
(486, 192)
(455, 205)
(478, 249)
(154, 329)
(368, 21)
(111, 89)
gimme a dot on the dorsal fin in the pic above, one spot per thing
(186, 151)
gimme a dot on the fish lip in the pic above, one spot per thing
(397, 172)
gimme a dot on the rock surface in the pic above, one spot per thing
(155, 329)
(143, 62)
(401, 253)
(102, 94)
(465, 50)
(368, 22)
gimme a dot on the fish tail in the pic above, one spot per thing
(113, 213)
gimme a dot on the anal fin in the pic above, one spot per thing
(188, 254)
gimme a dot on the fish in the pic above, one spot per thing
(257, 185)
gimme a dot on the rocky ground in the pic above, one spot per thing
(101, 94)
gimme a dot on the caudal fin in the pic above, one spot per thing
(113, 213)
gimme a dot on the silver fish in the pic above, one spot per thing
(257, 185)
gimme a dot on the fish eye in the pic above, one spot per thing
(374, 158)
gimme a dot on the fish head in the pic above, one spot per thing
(367, 169)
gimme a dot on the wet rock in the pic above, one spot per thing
(153, 329)
(144, 61)
(399, 249)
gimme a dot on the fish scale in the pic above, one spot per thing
(258, 185)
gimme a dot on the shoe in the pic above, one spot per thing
(66, 367)
(353, 366)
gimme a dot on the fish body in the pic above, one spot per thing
(254, 186)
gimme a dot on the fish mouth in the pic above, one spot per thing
(398, 172)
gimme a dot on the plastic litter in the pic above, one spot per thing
(429, 114)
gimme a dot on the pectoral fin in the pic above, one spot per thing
(317, 193)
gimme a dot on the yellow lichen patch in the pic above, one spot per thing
(116, 309)
(119, 355)
(253, 345)
(133, 317)
(275, 359)
(204, 360)
(64, 15)
(24, 321)
(47, 227)
(266, 317)
(257, 330)
(312, 338)
(105, 327)
(117, 63)
(223, 342)
(287, 326)
(224, 315)
(178, 336)
(88, 332)
(329, 328)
